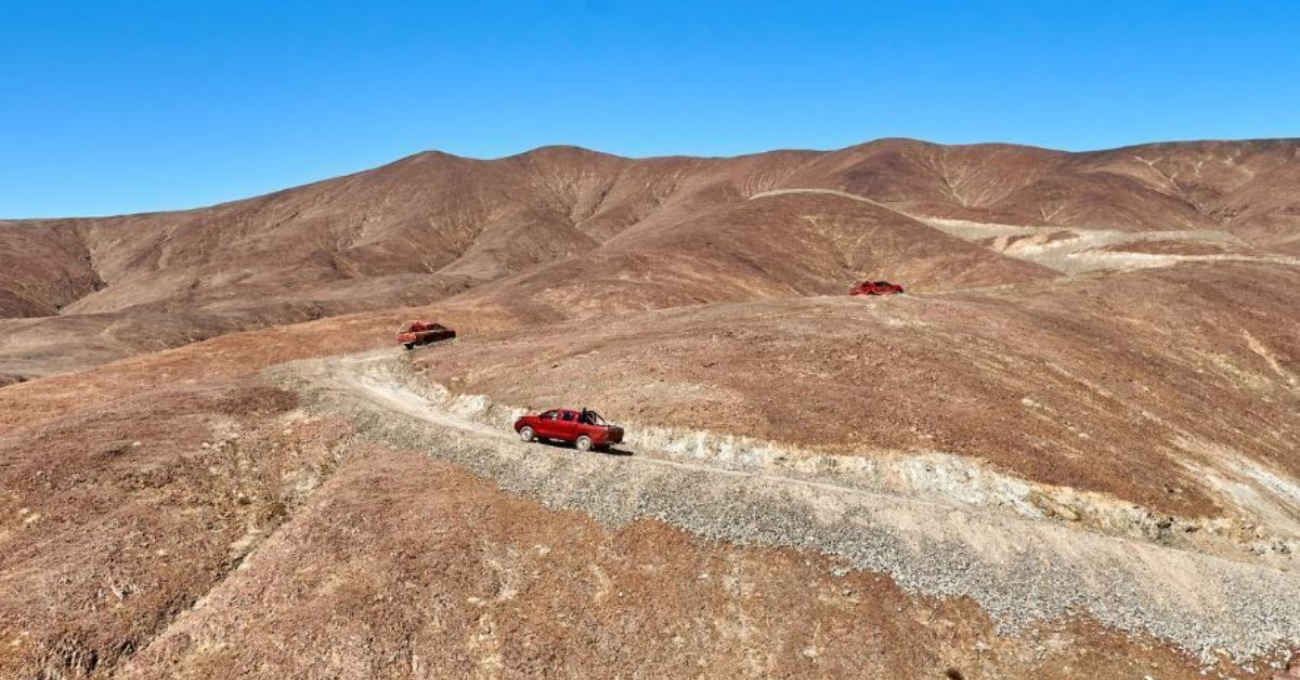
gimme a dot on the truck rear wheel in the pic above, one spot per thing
(410, 345)
(526, 433)
(583, 443)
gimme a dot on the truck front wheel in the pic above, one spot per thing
(584, 443)
(526, 433)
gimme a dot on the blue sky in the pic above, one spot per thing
(111, 106)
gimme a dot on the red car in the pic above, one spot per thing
(876, 288)
(585, 429)
(414, 333)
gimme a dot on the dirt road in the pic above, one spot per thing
(1022, 571)
(1082, 249)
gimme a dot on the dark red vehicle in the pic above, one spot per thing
(585, 429)
(876, 288)
(414, 333)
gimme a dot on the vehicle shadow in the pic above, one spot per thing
(611, 451)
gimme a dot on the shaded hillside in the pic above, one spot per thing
(44, 267)
(779, 246)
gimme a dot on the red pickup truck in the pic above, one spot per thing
(414, 333)
(876, 288)
(585, 429)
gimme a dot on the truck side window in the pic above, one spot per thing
(549, 415)
(568, 415)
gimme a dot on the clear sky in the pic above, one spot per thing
(109, 106)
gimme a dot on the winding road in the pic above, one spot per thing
(1020, 570)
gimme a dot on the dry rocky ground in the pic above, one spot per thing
(1070, 452)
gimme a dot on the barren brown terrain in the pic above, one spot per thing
(1072, 450)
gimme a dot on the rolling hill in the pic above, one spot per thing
(1070, 451)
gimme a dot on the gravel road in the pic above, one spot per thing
(1020, 570)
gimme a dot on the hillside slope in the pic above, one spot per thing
(432, 226)
(1072, 450)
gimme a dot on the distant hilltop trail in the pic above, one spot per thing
(825, 192)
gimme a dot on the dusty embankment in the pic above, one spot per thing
(405, 567)
(1159, 388)
(1022, 572)
(930, 475)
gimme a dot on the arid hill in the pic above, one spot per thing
(432, 226)
(1070, 451)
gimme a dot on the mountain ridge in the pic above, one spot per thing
(434, 225)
